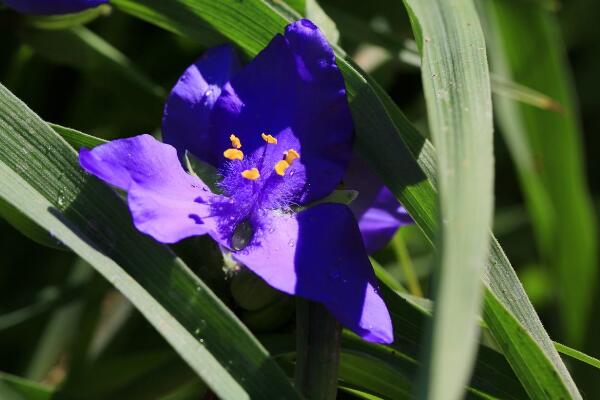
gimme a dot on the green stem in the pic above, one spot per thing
(318, 351)
(406, 264)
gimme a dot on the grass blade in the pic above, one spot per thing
(17, 388)
(457, 92)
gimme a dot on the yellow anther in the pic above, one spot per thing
(281, 166)
(251, 174)
(268, 138)
(291, 155)
(235, 141)
(233, 154)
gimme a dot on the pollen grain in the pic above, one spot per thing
(233, 154)
(281, 167)
(235, 142)
(251, 174)
(291, 155)
(268, 138)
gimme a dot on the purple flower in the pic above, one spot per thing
(378, 212)
(279, 132)
(52, 6)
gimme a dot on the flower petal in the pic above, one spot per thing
(165, 202)
(294, 91)
(52, 6)
(318, 254)
(376, 209)
(186, 117)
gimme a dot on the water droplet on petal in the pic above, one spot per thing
(291, 243)
(242, 236)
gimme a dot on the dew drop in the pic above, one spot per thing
(242, 235)
(61, 199)
(291, 243)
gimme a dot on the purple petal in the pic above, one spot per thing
(52, 6)
(165, 202)
(294, 91)
(318, 254)
(186, 117)
(378, 212)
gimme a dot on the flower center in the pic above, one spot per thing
(235, 154)
(255, 183)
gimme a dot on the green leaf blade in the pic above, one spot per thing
(458, 97)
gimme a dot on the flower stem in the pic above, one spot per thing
(318, 341)
(403, 258)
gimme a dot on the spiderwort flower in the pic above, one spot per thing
(378, 212)
(279, 131)
(49, 7)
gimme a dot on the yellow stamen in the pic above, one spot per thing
(281, 166)
(235, 141)
(291, 155)
(233, 154)
(251, 174)
(268, 138)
